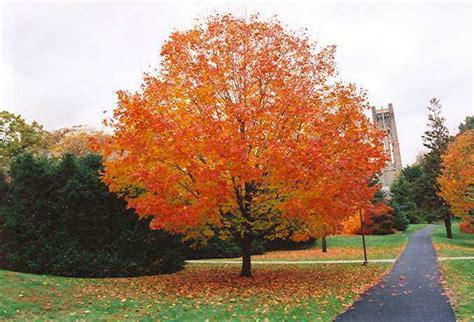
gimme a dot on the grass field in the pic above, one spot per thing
(458, 274)
(346, 248)
(200, 292)
(316, 292)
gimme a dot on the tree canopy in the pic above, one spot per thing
(17, 136)
(457, 176)
(244, 128)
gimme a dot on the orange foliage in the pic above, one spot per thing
(466, 227)
(376, 215)
(244, 128)
(379, 220)
(457, 176)
(351, 226)
(218, 285)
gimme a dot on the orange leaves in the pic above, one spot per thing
(244, 125)
(457, 175)
(466, 227)
(270, 286)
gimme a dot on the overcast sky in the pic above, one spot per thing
(62, 62)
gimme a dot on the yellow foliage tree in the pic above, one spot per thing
(74, 140)
(457, 176)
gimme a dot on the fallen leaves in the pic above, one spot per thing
(221, 286)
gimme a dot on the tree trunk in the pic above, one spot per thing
(447, 224)
(324, 245)
(246, 256)
(362, 230)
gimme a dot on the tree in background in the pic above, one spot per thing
(17, 136)
(386, 212)
(401, 220)
(436, 139)
(244, 129)
(457, 176)
(467, 125)
(416, 191)
(379, 219)
(408, 194)
(74, 140)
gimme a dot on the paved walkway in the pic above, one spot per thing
(410, 292)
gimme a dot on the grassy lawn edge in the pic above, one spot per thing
(457, 276)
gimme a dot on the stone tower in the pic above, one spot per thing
(384, 119)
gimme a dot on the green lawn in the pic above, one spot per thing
(458, 274)
(288, 292)
(343, 247)
(460, 245)
(199, 292)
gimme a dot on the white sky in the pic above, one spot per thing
(62, 62)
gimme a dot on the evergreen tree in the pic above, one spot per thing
(408, 193)
(436, 139)
(61, 219)
(467, 125)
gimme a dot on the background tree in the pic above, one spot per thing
(246, 129)
(436, 139)
(74, 140)
(408, 192)
(379, 219)
(467, 125)
(17, 136)
(457, 176)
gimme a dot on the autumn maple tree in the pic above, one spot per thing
(246, 131)
(457, 176)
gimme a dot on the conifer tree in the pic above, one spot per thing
(436, 139)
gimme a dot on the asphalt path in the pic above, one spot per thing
(410, 292)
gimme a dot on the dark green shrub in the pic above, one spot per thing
(285, 244)
(230, 248)
(61, 219)
(171, 261)
(219, 248)
(401, 221)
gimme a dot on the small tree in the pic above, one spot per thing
(245, 129)
(408, 191)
